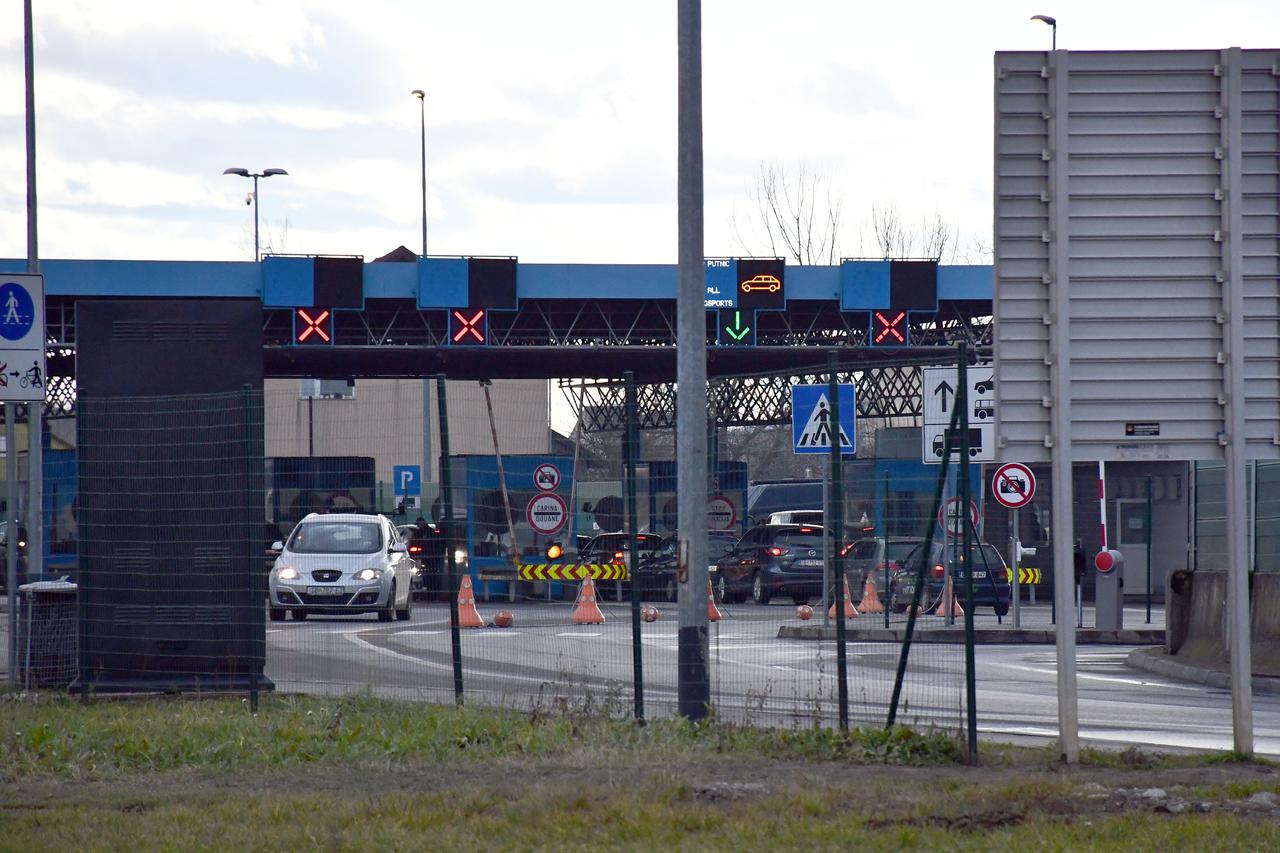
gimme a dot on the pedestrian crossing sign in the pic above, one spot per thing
(813, 426)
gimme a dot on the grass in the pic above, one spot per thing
(356, 772)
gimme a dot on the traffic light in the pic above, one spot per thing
(312, 327)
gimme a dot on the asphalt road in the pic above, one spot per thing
(544, 660)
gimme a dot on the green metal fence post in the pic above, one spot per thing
(1148, 529)
(446, 504)
(836, 531)
(630, 448)
(966, 543)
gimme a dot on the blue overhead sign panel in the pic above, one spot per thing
(812, 427)
(889, 291)
(722, 283)
(302, 281)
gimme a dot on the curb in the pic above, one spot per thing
(981, 636)
(1159, 661)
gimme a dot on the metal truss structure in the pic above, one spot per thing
(618, 335)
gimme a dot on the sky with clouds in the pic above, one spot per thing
(551, 126)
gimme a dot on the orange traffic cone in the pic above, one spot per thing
(849, 610)
(949, 601)
(713, 612)
(468, 615)
(587, 611)
(870, 599)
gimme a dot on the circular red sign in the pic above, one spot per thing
(1104, 561)
(721, 513)
(546, 477)
(547, 513)
(1014, 485)
(951, 520)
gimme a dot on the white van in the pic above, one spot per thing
(797, 516)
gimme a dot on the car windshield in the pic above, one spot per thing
(987, 556)
(335, 537)
(896, 552)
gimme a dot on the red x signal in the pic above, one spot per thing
(321, 326)
(889, 328)
(468, 328)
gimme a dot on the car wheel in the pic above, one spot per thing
(388, 613)
(275, 614)
(760, 593)
(672, 592)
(299, 615)
(404, 615)
(1002, 609)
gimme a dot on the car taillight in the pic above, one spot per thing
(938, 571)
(617, 556)
(775, 551)
(415, 549)
(846, 549)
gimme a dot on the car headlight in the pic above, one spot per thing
(368, 575)
(287, 573)
(460, 557)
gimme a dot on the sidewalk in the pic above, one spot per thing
(1157, 660)
(1037, 627)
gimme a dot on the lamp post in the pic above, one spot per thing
(1052, 22)
(422, 116)
(245, 173)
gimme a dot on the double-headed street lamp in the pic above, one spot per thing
(245, 173)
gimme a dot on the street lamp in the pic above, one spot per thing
(422, 116)
(1053, 22)
(245, 173)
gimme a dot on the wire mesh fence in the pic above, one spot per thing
(435, 540)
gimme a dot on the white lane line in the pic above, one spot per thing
(1111, 679)
(418, 633)
(581, 634)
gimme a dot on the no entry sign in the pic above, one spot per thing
(1013, 485)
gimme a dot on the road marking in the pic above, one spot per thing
(1136, 682)
(423, 633)
(584, 634)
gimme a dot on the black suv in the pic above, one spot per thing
(774, 559)
(990, 576)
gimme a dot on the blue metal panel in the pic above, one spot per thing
(965, 282)
(864, 285)
(597, 281)
(288, 282)
(442, 283)
(147, 278)
(391, 281)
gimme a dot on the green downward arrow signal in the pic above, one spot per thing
(737, 331)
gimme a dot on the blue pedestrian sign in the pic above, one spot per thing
(408, 480)
(812, 427)
(22, 341)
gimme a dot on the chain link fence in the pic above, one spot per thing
(437, 540)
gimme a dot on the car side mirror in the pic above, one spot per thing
(276, 546)
(399, 548)
(728, 549)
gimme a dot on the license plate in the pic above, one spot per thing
(807, 564)
(979, 576)
(326, 590)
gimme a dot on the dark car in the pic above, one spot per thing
(774, 559)
(616, 548)
(427, 548)
(658, 572)
(878, 556)
(990, 576)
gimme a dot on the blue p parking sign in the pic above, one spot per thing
(408, 480)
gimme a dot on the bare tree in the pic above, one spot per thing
(889, 232)
(797, 214)
(938, 238)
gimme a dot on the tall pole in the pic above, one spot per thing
(691, 371)
(35, 410)
(1060, 416)
(256, 256)
(422, 116)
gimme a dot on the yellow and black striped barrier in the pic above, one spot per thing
(1026, 576)
(572, 571)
